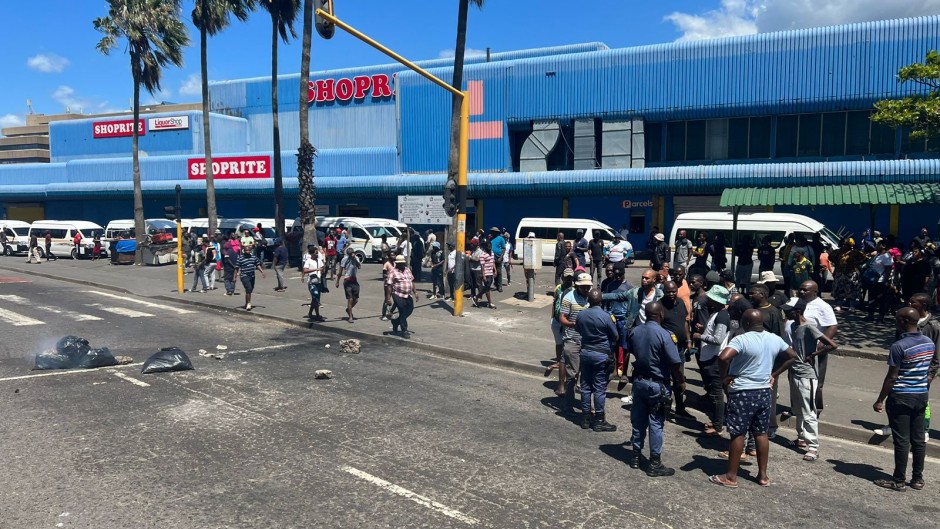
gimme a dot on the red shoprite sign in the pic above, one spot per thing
(118, 129)
(231, 167)
(345, 89)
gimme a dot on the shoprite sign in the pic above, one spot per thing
(117, 129)
(345, 89)
(231, 167)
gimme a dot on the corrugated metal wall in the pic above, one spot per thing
(344, 127)
(229, 134)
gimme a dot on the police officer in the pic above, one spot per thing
(657, 364)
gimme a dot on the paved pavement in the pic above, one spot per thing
(513, 336)
(396, 439)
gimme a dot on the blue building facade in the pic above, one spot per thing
(628, 136)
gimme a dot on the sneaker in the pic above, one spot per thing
(628, 400)
(927, 437)
(885, 431)
(248, 307)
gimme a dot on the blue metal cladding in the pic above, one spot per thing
(32, 174)
(352, 162)
(74, 139)
(599, 183)
(330, 128)
(425, 120)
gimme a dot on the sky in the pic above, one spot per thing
(50, 59)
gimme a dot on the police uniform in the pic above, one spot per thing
(655, 350)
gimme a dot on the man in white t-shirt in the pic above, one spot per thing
(820, 314)
(314, 275)
(619, 250)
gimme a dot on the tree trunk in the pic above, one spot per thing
(459, 49)
(306, 152)
(276, 155)
(140, 230)
(207, 137)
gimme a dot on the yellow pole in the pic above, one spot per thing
(894, 219)
(462, 158)
(179, 256)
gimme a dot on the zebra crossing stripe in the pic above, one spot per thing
(143, 303)
(18, 320)
(77, 316)
(130, 313)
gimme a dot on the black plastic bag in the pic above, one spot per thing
(73, 347)
(52, 359)
(167, 359)
(97, 358)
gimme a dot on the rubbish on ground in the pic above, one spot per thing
(123, 360)
(71, 352)
(207, 354)
(221, 347)
(323, 374)
(167, 359)
(327, 346)
(350, 346)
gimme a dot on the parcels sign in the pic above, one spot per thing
(225, 167)
(117, 129)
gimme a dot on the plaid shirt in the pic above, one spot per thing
(401, 281)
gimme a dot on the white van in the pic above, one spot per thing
(17, 233)
(755, 225)
(63, 233)
(365, 234)
(547, 229)
(115, 228)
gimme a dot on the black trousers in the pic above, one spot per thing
(405, 307)
(451, 283)
(906, 417)
(711, 378)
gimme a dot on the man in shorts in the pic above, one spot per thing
(747, 374)
(350, 267)
(561, 289)
(245, 268)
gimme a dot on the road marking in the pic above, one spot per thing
(132, 380)
(144, 303)
(130, 313)
(18, 320)
(77, 316)
(67, 372)
(413, 496)
(265, 348)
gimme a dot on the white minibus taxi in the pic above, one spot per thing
(547, 229)
(17, 233)
(63, 234)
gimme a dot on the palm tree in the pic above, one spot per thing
(155, 38)
(283, 14)
(306, 152)
(211, 17)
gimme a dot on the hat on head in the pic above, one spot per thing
(894, 252)
(767, 277)
(718, 294)
(659, 237)
(794, 304)
(494, 228)
(400, 259)
(451, 245)
(584, 280)
(567, 272)
(617, 237)
(712, 277)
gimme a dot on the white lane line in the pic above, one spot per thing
(132, 380)
(130, 313)
(265, 348)
(143, 303)
(68, 372)
(18, 320)
(413, 496)
(77, 316)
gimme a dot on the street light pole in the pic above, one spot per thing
(180, 272)
(464, 147)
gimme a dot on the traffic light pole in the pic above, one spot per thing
(180, 272)
(464, 147)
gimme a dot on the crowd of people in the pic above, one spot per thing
(743, 336)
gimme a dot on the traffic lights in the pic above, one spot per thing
(450, 198)
(171, 213)
(325, 28)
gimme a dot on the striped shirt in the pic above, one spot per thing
(571, 305)
(488, 263)
(246, 265)
(911, 355)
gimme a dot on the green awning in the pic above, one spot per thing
(844, 195)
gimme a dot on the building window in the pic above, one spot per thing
(737, 138)
(810, 134)
(695, 139)
(833, 134)
(759, 138)
(675, 141)
(882, 139)
(787, 133)
(857, 133)
(654, 142)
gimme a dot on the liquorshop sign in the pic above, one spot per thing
(226, 167)
(168, 123)
(346, 89)
(117, 129)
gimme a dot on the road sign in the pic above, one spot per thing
(422, 210)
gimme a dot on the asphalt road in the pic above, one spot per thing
(396, 439)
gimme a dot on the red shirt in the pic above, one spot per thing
(330, 244)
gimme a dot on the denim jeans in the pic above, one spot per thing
(593, 380)
(906, 417)
(405, 307)
(199, 275)
(648, 412)
(229, 278)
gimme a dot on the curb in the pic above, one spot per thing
(855, 434)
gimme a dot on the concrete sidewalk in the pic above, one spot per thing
(513, 336)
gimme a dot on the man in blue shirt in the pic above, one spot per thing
(905, 388)
(498, 245)
(748, 375)
(341, 242)
(657, 363)
(598, 349)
